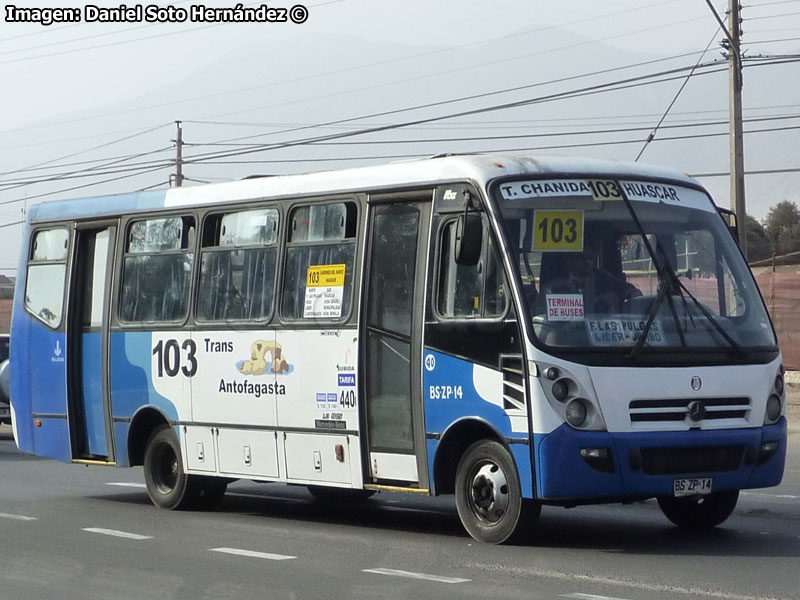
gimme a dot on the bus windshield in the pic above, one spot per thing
(655, 270)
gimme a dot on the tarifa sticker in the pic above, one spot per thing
(558, 230)
(324, 291)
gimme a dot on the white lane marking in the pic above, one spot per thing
(17, 517)
(115, 533)
(779, 496)
(579, 596)
(409, 574)
(651, 587)
(251, 553)
(133, 485)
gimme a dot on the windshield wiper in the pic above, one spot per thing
(673, 282)
(669, 281)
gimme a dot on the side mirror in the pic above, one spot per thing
(469, 237)
(730, 220)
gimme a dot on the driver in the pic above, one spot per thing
(602, 292)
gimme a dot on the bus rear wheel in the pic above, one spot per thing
(489, 495)
(167, 484)
(699, 512)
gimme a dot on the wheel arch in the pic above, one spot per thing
(143, 423)
(459, 436)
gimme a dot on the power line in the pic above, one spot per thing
(792, 14)
(465, 98)
(675, 99)
(79, 187)
(105, 145)
(86, 173)
(86, 37)
(535, 135)
(760, 4)
(498, 150)
(774, 41)
(84, 162)
(753, 172)
(589, 90)
(471, 67)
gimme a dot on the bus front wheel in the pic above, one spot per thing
(489, 495)
(699, 512)
(167, 484)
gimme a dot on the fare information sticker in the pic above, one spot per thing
(558, 230)
(324, 292)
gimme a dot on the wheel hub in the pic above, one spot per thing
(489, 493)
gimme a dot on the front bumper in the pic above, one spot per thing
(644, 465)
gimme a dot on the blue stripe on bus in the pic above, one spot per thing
(131, 377)
(450, 395)
(92, 207)
(562, 473)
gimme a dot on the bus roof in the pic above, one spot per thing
(478, 168)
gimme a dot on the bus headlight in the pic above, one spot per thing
(560, 389)
(570, 397)
(576, 412)
(774, 409)
(779, 385)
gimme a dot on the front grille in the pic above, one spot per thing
(672, 461)
(677, 409)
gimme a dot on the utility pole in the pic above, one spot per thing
(737, 135)
(179, 156)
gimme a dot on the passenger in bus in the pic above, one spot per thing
(602, 292)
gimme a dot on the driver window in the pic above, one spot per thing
(470, 292)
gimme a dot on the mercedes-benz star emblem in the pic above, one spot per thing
(697, 383)
(697, 410)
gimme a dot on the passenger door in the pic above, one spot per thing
(391, 339)
(89, 400)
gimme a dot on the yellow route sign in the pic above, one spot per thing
(325, 276)
(558, 230)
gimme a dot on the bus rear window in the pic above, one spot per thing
(47, 268)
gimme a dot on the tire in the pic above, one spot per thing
(339, 495)
(703, 512)
(167, 484)
(489, 495)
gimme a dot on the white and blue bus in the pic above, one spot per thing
(513, 330)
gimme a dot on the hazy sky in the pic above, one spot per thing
(72, 92)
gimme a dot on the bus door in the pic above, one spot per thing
(89, 400)
(391, 340)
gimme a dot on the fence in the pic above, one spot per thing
(781, 291)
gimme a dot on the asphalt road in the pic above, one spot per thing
(70, 531)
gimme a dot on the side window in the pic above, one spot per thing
(157, 269)
(320, 256)
(470, 292)
(47, 269)
(237, 266)
(392, 267)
